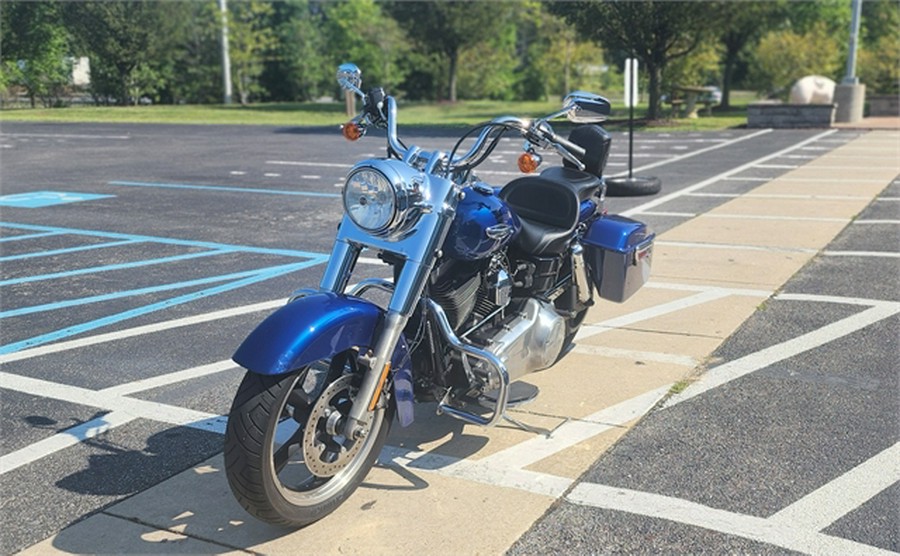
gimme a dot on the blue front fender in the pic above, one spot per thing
(311, 328)
(317, 327)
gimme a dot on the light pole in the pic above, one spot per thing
(850, 94)
(226, 59)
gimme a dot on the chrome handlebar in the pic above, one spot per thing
(536, 132)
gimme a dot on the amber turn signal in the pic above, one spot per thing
(351, 131)
(529, 162)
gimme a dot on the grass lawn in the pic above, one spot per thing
(464, 113)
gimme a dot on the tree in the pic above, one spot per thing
(300, 65)
(554, 60)
(447, 27)
(128, 43)
(35, 47)
(782, 57)
(655, 32)
(359, 32)
(877, 63)
(742, 25)
(250, 37)
(192, 64)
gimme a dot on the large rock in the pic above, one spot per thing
(813, 89)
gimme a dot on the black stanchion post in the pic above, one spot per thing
(622, 186)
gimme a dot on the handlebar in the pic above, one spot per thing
(537, 132)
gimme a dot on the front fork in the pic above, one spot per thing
(407, 290)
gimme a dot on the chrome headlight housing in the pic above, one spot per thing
(380, 196)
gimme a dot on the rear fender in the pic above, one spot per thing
(319, 326)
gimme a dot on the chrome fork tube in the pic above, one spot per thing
(407, 291)
(340, 266)
(374, 377)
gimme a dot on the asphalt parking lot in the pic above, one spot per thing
(136, 257)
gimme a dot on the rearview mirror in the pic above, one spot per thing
(581, 107)
(349, 77)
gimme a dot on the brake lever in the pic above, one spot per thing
(568, 150)
(569, 156)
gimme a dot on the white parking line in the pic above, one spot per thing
(697, 186)
(139, 331)
(782, 196)
(169, 378)
(592, 329)
(634, 355)
(67, 136)
(313, 164)
(671, 214)
(872, 254)
(735, 247)
(722, 374)
(62, 440)
(571, 433)
(776, 218)
(123, 410)
(697, 152)
(697, 515)
(834, 500)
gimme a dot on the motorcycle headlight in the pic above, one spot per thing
(370, 199)
(383, 196)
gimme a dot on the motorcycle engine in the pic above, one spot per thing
(470, 294)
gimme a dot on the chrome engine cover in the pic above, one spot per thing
(529, 341)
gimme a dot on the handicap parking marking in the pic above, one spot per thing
(41, 199)
(212, 285)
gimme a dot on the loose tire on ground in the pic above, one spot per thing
(632, 187)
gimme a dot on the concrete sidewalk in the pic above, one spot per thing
(876, 122)
(444, 487)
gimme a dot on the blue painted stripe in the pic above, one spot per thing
(107, 268)
(167, 241)
(127, 293)
(223, 188)
(266, 274)
(66, 250)
(30, 236)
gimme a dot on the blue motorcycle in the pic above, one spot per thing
(489, 284)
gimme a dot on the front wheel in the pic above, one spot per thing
(286, 459)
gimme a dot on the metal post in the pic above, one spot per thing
(850, 94)
(850, 77)
(226, 59)
(620, 186)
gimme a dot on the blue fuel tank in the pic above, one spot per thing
(483, 224)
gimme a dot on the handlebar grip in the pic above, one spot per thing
(568, 145)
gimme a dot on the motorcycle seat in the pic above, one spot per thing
(548, 206)
(585, 185)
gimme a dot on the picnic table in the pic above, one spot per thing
(692, 96)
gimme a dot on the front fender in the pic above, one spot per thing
(316, 327)
(306, 330)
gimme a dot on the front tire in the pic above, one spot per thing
(286, 460)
